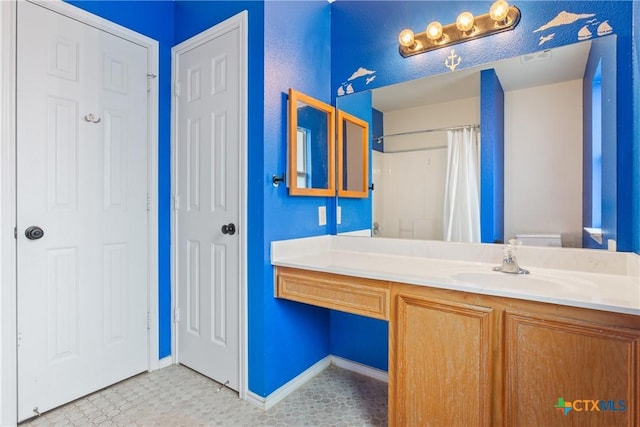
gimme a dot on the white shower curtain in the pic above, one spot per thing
(462, 191)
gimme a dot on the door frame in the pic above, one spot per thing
(240, 22)
(8, 220)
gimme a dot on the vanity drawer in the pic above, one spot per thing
(349, 294)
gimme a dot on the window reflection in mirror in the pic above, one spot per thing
(311, 146)
(353, 156)
(303, 176)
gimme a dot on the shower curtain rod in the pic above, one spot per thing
(379, 138)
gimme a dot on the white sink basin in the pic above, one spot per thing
(534, 283)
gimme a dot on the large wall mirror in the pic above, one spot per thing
(559, 145)
(311, 148)
(353, 156)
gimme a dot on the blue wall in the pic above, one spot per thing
(492, 158)
(286, 337)
(603, 51)
(626, 163)
(361, 339)
(635, 194)
(377, 130)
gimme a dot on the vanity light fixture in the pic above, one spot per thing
(499, 11)
(406, 38)
(434, 32)
(464, 22)
(501, 17)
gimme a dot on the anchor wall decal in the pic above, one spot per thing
(451, 62)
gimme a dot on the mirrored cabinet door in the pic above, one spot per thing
(311, 146)
(353, 156)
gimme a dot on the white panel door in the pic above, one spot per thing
(207, 256)
(81, 178)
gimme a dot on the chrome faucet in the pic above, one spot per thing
(509, 261)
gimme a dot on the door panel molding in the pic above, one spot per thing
(8, 320)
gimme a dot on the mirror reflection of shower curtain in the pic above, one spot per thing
(461, 221)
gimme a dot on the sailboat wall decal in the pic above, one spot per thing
(584, 33)
(604, 29)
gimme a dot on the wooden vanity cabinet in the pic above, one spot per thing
(592, 363)
(440, 362)
(465, 359)
(461, 359)
(354, 295)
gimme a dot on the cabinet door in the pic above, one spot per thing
(440, 370)
(561, 371)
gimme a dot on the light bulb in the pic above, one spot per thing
(464, 22)
(406, 38)
(499, 11)
(434, 31)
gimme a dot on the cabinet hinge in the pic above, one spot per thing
(176, 315)
(148, 202)
(148, 321)
(15, 233)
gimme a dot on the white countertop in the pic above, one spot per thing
(590, 279)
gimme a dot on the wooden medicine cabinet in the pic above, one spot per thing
(311, 146)
(312, 150)
(353, 156)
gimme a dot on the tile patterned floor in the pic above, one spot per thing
(177, 396)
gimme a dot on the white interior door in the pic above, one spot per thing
(81, 178)
(207, 202)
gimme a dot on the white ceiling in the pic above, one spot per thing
(538, 69)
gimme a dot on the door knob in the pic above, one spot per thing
(34, 232)
(229, 229)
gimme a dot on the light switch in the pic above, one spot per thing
(322, 215)
(339, 214)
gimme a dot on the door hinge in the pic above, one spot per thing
(176, 203)
(15, 233)
(176, 89)
(148, 320)
(150, 77)
(148, 202)
(176, 315)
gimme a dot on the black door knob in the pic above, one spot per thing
(229, 229)
(34, 232)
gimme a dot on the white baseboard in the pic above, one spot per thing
(359, 368)
(270, 401)
(165, 362)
